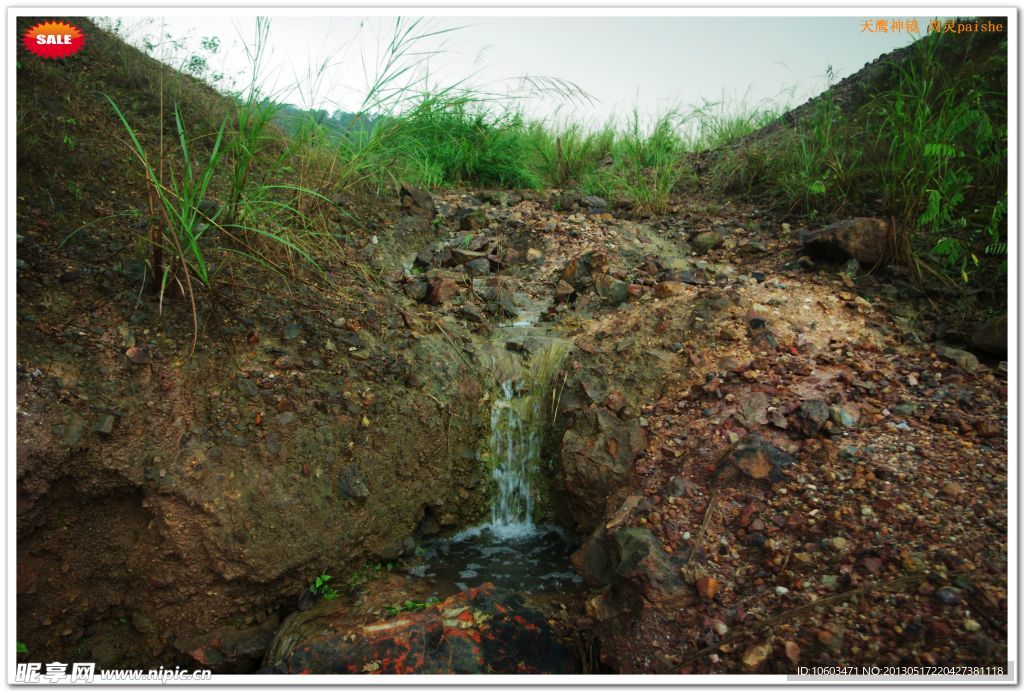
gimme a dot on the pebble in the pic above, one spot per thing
(947, 595)
(972, 625)
(781, 590)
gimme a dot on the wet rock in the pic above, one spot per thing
(482, 630)
(351, 484)
(755, 458)
(232, 650)
(961, 358)
(865, 239)
(706, 241)
(478, 267)
(563, 292)
(598, 454)
(990, 336)
(416, 202)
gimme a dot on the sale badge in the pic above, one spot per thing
(53, 40)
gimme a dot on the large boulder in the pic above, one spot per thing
(990, 336)
(868, 240)
(484, 630)
(598, 455)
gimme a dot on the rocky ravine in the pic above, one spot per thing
(740, 430)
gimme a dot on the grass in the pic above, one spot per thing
(926, 148)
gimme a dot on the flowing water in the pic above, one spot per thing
(512, 550)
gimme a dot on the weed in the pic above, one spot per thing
(321, 589)
(413, 606)
(21, 648)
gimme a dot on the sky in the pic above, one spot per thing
(652, 64)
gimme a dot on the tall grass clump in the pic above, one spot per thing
(567, 154)
(945, 158)
(647, 164)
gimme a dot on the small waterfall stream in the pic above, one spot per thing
(515, 454)
(513, 550)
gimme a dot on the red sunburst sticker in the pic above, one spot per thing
(53, 40)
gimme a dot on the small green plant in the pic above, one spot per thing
(321, 589)
(21, 648)
(413, 606)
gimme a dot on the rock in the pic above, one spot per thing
(74, 430)
(424, 258)
(351, 484)
(948, 596)
(534, 256)
(481, 630)
(285, 362)
(230, 650)
(643, 565)
(706, 241)
(842, 417)
(470, 312)
(471, 219)
(678, 486)
(594, 203)
(440, 290)
(961, 358)
(416, 202)
(754, 409)
(417, 290)
(247, 387)
(105, 426)
(812, 416)
(137, 356)
(666, 289)
(756, 458)
(580, 271)
(464, 256)
(598, 454)
(990, 336)
(478, 267)
(563, 292)
(755, 655)
(292, 331)
(612, 289)
(707, 587)
(865, 239)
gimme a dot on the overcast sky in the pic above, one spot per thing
(651, 63)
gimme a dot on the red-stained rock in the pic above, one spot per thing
(482, 630)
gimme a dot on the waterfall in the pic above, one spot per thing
(519, 420)
(515, 452)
